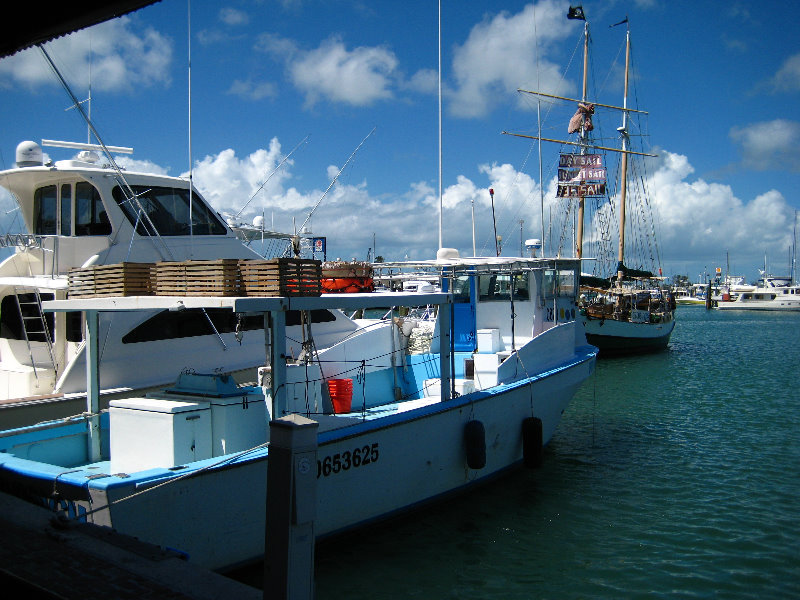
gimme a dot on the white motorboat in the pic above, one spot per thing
(784, 297)
(80, 213)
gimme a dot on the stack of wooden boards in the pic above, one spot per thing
(221, 277)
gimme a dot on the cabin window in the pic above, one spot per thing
(66, 209)
(558, 283)
(549, 283)
(45, 211)
(566, 283)
(168, 325)
(461, 289)
(11, 326)
(319, 315)
(498, 287)
(90, 214)
(165, 211)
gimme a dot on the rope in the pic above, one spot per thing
(170, 481)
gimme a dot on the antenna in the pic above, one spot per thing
(191, 163)
(440, 124)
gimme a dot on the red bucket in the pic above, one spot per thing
(341, 393)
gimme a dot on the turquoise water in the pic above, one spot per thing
(674, 475)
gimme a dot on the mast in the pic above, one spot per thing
(624, 163)
(440, 124)
(581, 201)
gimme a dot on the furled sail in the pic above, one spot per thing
(582, 116)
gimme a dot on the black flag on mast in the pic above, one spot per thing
(576, 12)
(625, 20)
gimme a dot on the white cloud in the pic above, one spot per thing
(140, 166)
(118, 58)
(232, 16)
(425, 81)
(697, 221)
(787, 79)
(769, 144)
(229, 183)
(500, 56)
(700, 221)
(359, 77)
(252, 90)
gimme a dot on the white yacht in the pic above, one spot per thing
(773, 293)
(79, 213)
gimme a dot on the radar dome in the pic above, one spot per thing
(447, 254)
(29, 154)
(258, 222)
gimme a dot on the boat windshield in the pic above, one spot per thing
(558, 283)
(167, 209)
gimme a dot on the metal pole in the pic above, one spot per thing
(474, 251)
(494, 224)
(93, 384)
(445, 344)
(440, 124)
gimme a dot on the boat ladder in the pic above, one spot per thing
(34, 325)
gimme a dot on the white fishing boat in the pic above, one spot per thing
(186, 468)
(82, 212)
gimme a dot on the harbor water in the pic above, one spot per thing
(674, 475)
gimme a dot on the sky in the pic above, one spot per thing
(349, 90)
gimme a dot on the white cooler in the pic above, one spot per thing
(148, 433)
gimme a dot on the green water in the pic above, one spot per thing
(674, 475)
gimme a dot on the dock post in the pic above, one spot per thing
(291, 509)
(93, 384)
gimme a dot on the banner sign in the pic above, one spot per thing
(581, 175)
(580, 160)
(319, 244)
(581, 190)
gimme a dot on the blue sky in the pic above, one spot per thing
(719, 81)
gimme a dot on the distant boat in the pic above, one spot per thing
(774, 293)
(689, 297)
(731, 288)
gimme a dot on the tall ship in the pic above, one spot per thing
(624, 308)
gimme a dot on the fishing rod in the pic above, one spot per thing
(275, 170)
(333, 181)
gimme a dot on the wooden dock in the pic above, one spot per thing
(40, 558)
